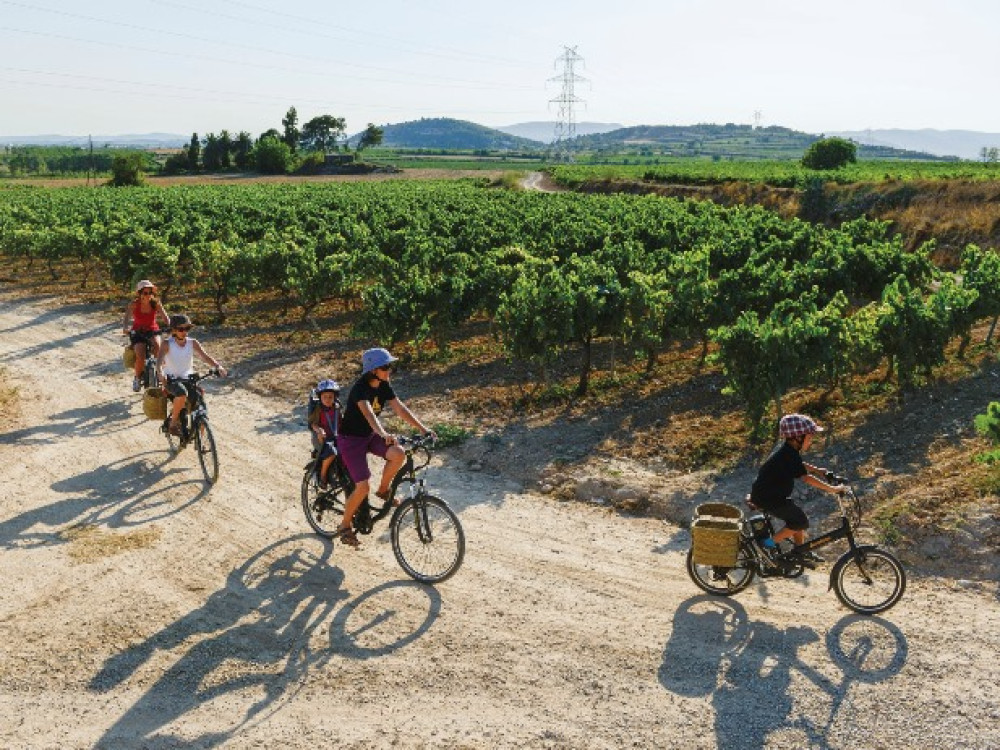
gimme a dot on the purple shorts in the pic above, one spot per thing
(354, 452)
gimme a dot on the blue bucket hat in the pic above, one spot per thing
(372, 359)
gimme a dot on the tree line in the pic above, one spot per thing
(274, 151)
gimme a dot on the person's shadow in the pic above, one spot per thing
(746, 668)
(251, 643)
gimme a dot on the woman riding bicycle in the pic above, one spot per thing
(775, 480)
(176, 362)
(141, 327)
(362, 433)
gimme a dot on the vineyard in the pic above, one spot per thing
(777, 304)
(778, 173)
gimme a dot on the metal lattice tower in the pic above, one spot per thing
(566, 123)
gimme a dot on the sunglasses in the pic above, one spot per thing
(147, 293)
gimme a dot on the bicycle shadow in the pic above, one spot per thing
(748, 668)
(121, 494)
(247, 651)
(59, 343)
(105, 418)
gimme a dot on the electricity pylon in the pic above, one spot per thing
(566, 123)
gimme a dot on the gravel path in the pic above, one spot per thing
(142, 610)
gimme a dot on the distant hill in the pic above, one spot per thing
(544, 132)
(446, 133)
(728, 141)
(965, 144)
(145, 140)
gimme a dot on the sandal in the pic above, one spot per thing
(383, 496)
(348, 537)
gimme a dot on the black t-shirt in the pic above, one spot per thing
(777, 475)
(353, 421)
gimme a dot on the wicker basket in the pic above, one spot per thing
(718, 510)
(128, 358)
(154, 404)
(715, 542)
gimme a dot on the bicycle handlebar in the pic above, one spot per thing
(424, 441)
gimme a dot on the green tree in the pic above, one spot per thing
(211, 154)
(225, 150)
(291, 133)
(372, 136)
(243, 151)
(272, 156)
(321, 133)
(126, 170)
(193, 152)
(830, 153)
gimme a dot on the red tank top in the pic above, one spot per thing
(144, 321)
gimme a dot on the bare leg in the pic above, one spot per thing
(140, 358)
(394, 459)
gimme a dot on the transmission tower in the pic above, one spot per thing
(757, 117)
(567, 99)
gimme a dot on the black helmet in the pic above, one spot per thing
(180, 321)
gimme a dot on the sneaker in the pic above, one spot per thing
(175, 428)
(812, 557)
(135, 384)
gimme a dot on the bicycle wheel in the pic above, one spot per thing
(208, 457)
(323, 508)
(868, 580)
(723, 581)
(149, 374)
(427, 539)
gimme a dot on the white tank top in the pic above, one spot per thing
(178, 362)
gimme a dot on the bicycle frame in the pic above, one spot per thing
(844, 531)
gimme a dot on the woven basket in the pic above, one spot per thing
(718, 510)
(715, 542)
(128, 358)
(154, 404)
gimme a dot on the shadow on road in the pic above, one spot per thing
(748, 669)
(248, 650)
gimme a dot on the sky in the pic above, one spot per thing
(113, 67)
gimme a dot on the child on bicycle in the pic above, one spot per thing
(362, 433)
(144, 331)
(775, 480)
(175, 365)
(323, 422)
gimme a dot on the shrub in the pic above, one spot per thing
(830, 153)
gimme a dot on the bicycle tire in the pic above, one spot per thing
(323, 508)
(718, 581)
(868, 580)
(149, 374)
(208, 456)
(427, 539)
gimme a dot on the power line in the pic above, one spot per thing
(320, 73)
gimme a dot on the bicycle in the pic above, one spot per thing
(427, 537)
(195, 427)
(148, 378)
(866, 578)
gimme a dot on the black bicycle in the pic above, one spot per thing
(866, 578)
(427, 537)
(195, 427)
(148, 378)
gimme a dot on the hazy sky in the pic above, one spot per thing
(139, 66)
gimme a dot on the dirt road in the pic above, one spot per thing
(140, 609)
